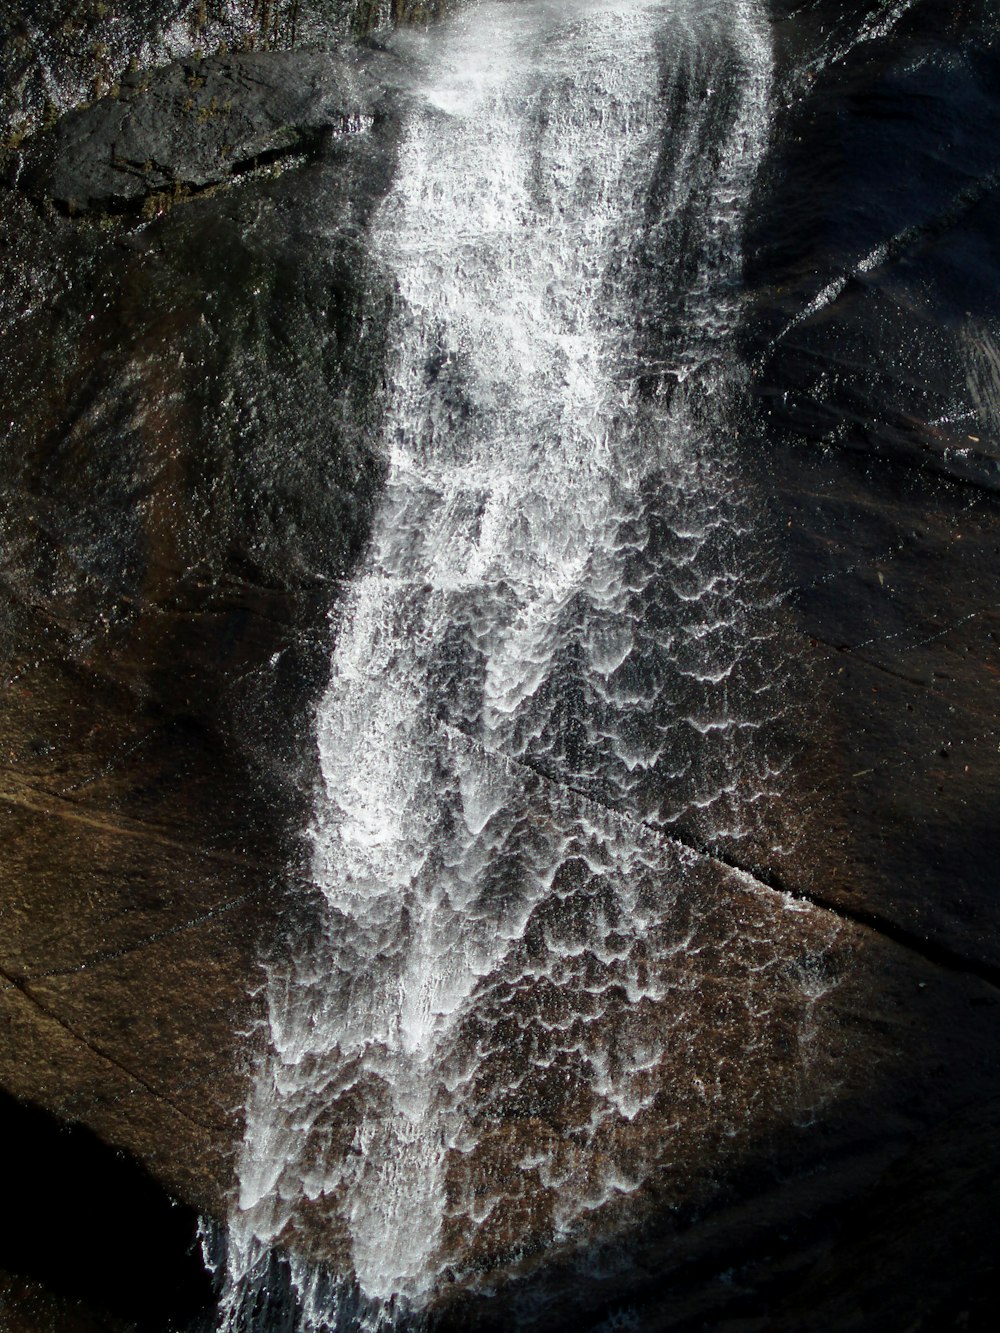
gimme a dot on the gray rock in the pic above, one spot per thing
(57, 54)
(198, 123)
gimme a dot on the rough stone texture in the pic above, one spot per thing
(188, 470)
(897, 605)
(196, 124)
(59, 54)
(873, 344)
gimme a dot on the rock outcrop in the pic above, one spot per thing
(59, 54)
(174, 132)
(190, 460)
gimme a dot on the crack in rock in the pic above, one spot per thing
(104, 1055)
(197, 125)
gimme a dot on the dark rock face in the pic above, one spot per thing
(191, 414)
(873, 344)
(188, 126)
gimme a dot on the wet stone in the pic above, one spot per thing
(197, 124)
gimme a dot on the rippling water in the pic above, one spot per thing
(556, 666)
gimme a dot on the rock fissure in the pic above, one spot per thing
(847, 649)
(851, 650)
(179, 191)
(889, 251)
(120, 828)
(189, 129)
(113, 955)
(930, 638)
(931, 951)
(914, 456)
(23, 989)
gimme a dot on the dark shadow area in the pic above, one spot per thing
(90, 1224)
(876, 1215)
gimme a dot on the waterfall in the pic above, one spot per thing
(552, 670)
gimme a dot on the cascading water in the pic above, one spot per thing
(556, 656)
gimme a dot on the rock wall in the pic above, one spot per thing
(189, 466)
(55, 56)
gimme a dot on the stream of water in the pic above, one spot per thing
(555, 659)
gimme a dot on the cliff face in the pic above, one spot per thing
(872, 341)
(188, 470)
(189, 467)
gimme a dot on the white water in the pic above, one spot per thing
(556, 647)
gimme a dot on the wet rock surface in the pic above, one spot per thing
(872, 343)
(188, 473)
(189, 463)
(57, 54)
(192, 125)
